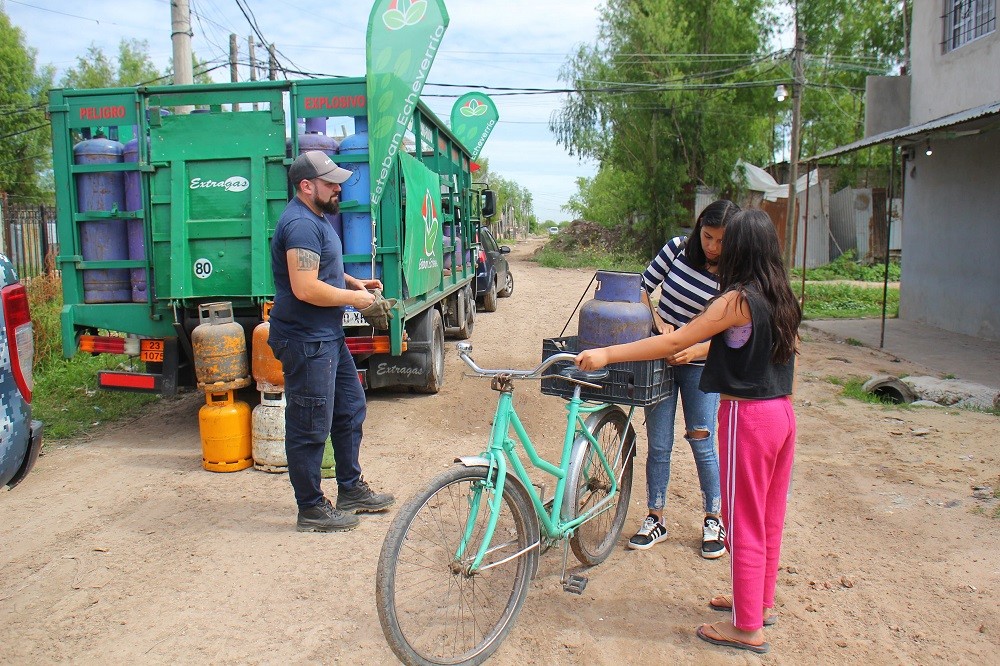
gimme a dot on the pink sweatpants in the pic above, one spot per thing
(756, 447)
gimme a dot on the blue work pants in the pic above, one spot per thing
(323, 397)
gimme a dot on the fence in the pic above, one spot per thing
(28, 238)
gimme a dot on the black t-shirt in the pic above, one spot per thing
(292, 319)
(747, 371)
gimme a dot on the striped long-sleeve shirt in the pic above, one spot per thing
(684, 289)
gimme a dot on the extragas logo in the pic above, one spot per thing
(231, 184)
(403, 13)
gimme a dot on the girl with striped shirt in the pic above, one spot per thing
(685, 271)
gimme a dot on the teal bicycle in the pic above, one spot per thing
(459, 556)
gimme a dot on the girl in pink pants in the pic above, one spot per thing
(753, 326)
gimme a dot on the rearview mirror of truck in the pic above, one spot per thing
(489, 199)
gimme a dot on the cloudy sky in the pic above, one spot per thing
(496, 43)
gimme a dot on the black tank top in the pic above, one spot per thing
(748, 372)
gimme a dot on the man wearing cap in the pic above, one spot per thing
(323, 394)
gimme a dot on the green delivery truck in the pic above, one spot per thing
(167, 198)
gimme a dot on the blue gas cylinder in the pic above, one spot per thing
(616, 314)
(135, 232)
(357, 235)
(314, 138)
(102, 239)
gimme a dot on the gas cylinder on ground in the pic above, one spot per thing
(266, 369)
(268, 433)
(616, 314)
(220, 349)
(328, 468)
(224, 424)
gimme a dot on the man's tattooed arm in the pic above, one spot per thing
(307, 260)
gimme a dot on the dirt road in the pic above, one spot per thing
(121, 549)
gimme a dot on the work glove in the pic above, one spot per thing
(379, 312)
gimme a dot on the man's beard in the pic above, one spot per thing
(331, 206)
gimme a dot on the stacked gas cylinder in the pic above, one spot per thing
(269, 416)
(220, 366)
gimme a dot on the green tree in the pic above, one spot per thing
(24, 132)
(674, 92)
(96, 69)
(660, 106)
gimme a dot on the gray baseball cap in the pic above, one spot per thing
(316, 164)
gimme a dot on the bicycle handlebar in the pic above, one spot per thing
(465, 348)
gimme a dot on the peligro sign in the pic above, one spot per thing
(231, 184)
(403, 119)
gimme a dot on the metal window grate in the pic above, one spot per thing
(967, 20)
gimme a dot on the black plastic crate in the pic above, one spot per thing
(639, 383)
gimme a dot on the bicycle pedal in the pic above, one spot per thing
(575, 583)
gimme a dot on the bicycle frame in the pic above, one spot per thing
(503, 451)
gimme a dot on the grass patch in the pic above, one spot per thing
(845, 267)
(590, 258)
(844, 301)
(65, 396)
(853, 387)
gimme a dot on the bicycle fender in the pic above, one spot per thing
(473, 461)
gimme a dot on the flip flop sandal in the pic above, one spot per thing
(724, 603)
(727, 641)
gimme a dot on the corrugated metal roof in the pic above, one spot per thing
(983, 111)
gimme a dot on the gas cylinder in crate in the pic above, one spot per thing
(220, 349)
(266, 369)
(224, 424)
(268, 433)
(616, 314)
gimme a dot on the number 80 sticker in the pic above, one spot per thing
(202, 268)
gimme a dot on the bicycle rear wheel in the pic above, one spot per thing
(589, 484)
(431, 609)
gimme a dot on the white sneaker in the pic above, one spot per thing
(652, 532)
(713, 533)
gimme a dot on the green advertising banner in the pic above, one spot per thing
(403, 39)
(422, 248)
(472, 119)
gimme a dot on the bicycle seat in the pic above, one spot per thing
(592, 376)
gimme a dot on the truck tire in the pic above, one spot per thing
(490, 297)
(435, 377)
(464, 332)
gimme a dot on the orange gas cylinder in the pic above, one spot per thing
(265, 367)
(224, 424)
(220, 349)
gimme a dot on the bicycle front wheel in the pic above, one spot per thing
(433, 610)
(589, 485)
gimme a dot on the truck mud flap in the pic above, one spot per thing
(421, 366)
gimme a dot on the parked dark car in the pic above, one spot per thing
(493, 276)
(20, 437)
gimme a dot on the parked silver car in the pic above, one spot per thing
(20, 437)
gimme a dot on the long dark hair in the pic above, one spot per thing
(751, 261)
(715, 215)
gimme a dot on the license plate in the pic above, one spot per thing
(353, 318)
(151, 351)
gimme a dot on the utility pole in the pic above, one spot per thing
(272, 63)
(798, 85)
(253, 64)
(233, 55)
(180, 36)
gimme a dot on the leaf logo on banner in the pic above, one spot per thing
(395, 18)
(431, 223)
(474, 108)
